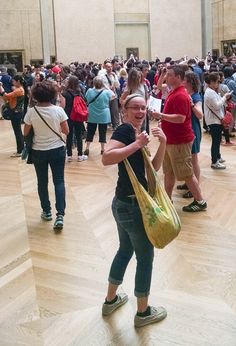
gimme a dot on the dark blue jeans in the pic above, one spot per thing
(132, 238)
(76, 128)
(216, 135)
(16, 125)
(55, 158)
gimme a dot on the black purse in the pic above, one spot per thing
(7, 112)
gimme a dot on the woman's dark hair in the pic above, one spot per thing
(73, 84)
(201, 64)
(213, 67)
(44, 91)
(192, 79)
(19, 78)
(65, 70)
(80, 74)
(228, 72)
(211, 77)
(41, 76)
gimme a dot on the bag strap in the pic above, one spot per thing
(109, 81)
(49, 125)
(94, 99)
(81, 96)
(214, 113)
(150, 172)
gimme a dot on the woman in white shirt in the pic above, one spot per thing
(214, 113)
(48, 148)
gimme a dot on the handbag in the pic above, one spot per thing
(161, 221)
(227, 121)
(7, 112)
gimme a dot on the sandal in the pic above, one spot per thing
(188, 194)
(182, 187)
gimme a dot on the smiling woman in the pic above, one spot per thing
(138, 107)
(126, 142)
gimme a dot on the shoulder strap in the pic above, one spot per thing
(214, 112)
(145, 91)
(49, 125)
(94, 99)
(109, 81)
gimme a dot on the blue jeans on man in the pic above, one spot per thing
(55, 158)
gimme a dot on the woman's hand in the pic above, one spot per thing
(228, 95)
(142, 139)
(157, 132)
(191, 101)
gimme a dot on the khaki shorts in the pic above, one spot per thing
(178, 160)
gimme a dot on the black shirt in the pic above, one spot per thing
(125, 133)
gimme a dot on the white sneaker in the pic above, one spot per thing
(82, 158)
(157, 315)
(218, 165)
(69, 159)
(108, 309)
(221, 160)
(16, 155)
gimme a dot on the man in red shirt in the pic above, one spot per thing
(177, 126)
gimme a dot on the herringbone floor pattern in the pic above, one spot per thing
(52, 286)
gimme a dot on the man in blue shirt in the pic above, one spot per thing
(6, 81)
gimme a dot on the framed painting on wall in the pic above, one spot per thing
(134, 51)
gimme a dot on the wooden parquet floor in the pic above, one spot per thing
(52, 286)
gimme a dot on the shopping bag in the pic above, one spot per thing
(161, 221)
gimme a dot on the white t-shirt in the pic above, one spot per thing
(213, 104)
(44, 138)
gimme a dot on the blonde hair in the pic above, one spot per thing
(123, 73)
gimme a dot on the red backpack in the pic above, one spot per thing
(79, 110)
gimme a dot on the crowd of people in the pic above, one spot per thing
(117, 94)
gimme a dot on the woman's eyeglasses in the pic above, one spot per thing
(137, 108)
